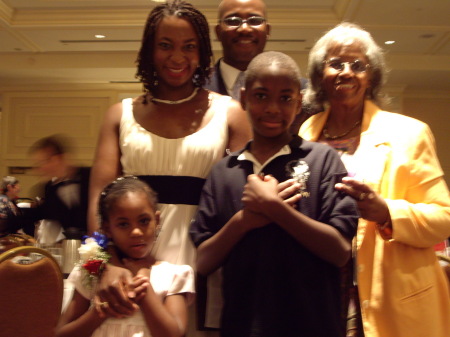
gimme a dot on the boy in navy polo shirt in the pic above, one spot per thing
(281, 254)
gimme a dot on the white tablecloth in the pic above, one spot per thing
(67, 296)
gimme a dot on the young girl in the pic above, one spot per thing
(128, 215)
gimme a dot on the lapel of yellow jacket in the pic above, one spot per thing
(373, 153)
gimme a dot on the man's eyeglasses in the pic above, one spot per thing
(236, 21)
(356, 66)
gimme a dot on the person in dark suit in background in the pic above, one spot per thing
(66, 192)
(242, 30)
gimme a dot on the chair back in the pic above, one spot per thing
(31, 293)
(445, 264)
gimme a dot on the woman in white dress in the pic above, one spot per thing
(172, 134)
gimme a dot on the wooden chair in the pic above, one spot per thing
(31, 293)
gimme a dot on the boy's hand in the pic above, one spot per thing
(259, 192)
(288, 191)
(254, 220)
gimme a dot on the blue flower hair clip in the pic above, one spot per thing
(101, 239)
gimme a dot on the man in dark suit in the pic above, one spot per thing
(66, 193)
(243, 30)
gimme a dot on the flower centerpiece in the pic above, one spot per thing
(93, 257)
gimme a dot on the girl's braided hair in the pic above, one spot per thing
(119, 188)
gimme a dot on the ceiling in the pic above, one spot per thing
(53, 42)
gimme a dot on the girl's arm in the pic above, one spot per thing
(164, 319)
(106, 165)
(239, 129)
(79, 319)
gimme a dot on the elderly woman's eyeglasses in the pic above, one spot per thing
(235, 21)
(356, 66)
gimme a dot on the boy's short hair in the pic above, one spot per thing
(268, 58)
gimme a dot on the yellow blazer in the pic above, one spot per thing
(403, 290)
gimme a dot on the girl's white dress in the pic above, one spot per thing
(144, 153)
(166, 279)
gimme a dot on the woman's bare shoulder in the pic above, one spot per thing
(114, 112)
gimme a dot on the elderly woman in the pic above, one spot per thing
(395, 177)
(9, 212)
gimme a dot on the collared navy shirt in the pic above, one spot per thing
(273, 286)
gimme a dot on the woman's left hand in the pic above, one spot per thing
(370, 204)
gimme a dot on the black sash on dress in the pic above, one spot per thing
(176, 189)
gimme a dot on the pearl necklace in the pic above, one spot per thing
(328, 136)
(166, 101)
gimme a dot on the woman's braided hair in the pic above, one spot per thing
(182, 9)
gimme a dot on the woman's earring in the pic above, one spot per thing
(155, 79)
(196, 77)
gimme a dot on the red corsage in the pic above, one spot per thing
(93, 258)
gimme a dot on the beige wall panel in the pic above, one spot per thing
(29, 116)
(432, 108)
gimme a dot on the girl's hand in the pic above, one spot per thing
(113, 290)
(140, 285)
(104, 310)
(371, 205)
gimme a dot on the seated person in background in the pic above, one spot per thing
(129, 217)
(281, 258)
(12, 218)
(9, 212)
(66, 193)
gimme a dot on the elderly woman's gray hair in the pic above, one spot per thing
(314, 96)
(8, 180)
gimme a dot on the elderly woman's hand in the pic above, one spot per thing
(370, 204)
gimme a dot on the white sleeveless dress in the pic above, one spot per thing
(174, 161)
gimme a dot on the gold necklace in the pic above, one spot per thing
(328, 136)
